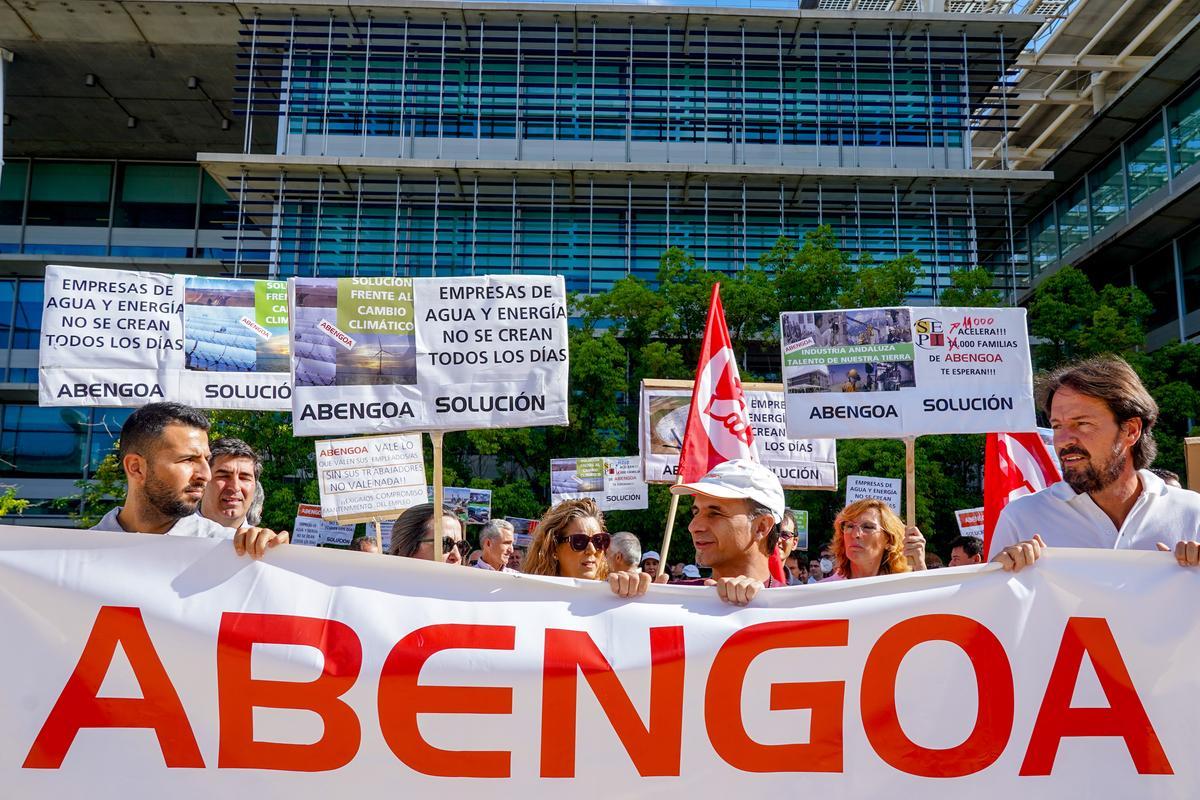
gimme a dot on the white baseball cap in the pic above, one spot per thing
(739, 479)
(691, 571)
(651, 554)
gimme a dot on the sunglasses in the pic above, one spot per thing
(579, 541)
(450, 543)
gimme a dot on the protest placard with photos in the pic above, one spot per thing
(122, 338)
(471, 506)
(310, 529)
(798, 463)
(370, 477)
(905, 372)
(377, 355)
(615, 483)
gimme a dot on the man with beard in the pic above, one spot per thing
(1103, 419)
(164, 452)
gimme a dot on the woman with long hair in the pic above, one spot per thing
(412, 534)
(869, 539)
(570, 542)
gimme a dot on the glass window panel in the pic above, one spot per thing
(68, 193)
(1043, 240)
(1189, 251)
(1183, 121)
(8, 293)
(1146, 156)
(45, 441)
(29, 314)
(1156, 277)
(1073, 218)
(157, 196)
(12, 191)
(1108, 192)
(106, 429)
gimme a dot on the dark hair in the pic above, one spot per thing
(971, 545)
(801, 559)
(1112, 380)
(409, 528)
(141, 432)
(757, 509)
(227, 446)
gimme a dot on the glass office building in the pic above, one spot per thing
(453, 140)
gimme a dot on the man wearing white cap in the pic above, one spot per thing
(736, 512)
(650, 561)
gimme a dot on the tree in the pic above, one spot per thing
(1069, 320)
(971, 288)
(10, 503)
(102, 493)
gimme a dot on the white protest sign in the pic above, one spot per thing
(899, 372)
(370, 477)
(861, 487)
(798, 463)
(970, 522)
(375, 355)
(614, 483)
(121, 338)
(311, 529)
(171, 666)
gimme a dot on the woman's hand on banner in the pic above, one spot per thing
(256, 541)
(1017, 556)
(914, 548)
(629, 584)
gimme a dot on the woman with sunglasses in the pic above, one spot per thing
(570, 542)
(869, 539)
(412, 534)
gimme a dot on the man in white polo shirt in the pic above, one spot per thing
(164, 452)
(1103, 419)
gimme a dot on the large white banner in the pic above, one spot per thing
(379, 355)
(798, 463)
(896, 372)
(121, 338)
(159, 667)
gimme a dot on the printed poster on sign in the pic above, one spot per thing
(798, 463)
(373, 355)
(471, 506)
(522, 530)
(614, 483)
(123, 339)
(311, 530)
(370, 477)
(896, 372)
(862, 487)
(970, 522)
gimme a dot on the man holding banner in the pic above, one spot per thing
(1103, 420)
(164, 452)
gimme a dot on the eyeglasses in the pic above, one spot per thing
(450, 543)
(786, 535)
(866, 527)
(579, 541)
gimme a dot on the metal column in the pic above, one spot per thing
(479, 97)
(362, 132)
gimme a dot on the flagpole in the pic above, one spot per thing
(666, 545)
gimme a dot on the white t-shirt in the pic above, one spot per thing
(1065, 519)
(191, 525)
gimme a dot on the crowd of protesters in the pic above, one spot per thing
(744, 537)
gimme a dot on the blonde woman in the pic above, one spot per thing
(869, 539)
(570, 542)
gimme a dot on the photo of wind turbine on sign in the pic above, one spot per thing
(718, 423)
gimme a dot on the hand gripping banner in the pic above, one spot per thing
(168, 667)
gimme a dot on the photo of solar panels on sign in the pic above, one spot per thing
(233, 325)
(358, 333)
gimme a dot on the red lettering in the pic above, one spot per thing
(994, 685)
(654, 748)
(723, 700)
(239, 694)
(1125, 716)
(402, 698)
(78, 707)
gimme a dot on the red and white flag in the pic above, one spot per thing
(718, 424)
(1014, 464)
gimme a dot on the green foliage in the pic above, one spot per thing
(1070, 320)
(97, 496)
(10, 503)
(971, 288)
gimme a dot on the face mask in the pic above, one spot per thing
(826, 565)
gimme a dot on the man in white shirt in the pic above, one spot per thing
(234, 486)
(1102, 417)
(496, 540)
(164, 452)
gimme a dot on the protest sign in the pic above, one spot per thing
(173, 666)
(614, 483)
(970, 522)
(122, 338)
(801, 528)
(905, 372)
(311, 530)
(861, 487)
(370, 477)
(522, 530)
(471, 506)
(375, 355)
(798, 463)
